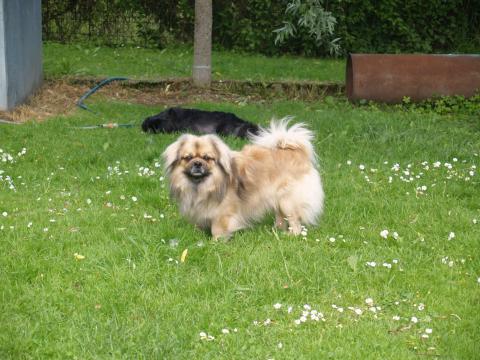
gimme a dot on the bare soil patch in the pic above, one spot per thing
(59, 96)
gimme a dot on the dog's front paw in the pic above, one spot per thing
(224, 237)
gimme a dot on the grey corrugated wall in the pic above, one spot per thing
(20, 50)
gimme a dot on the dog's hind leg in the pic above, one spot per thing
(292, 216)
(294, 225)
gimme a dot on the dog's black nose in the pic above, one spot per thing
(197, 163)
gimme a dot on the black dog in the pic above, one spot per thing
(198, 121)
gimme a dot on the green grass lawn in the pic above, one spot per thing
(151, 64)
(90, 245)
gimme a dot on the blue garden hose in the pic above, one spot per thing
(81, 104)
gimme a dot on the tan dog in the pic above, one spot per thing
(226, 190)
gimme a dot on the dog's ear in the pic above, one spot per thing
(224, 154)
(172, 153)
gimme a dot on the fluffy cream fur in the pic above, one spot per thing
(224, 190)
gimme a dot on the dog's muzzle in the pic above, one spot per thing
(197, 171)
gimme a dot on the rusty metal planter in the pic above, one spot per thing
(388, 78)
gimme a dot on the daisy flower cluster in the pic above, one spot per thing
(7, 180)
(417, 173)
(204, 336)
(386, 234)
(447, 261)
(384, 264)
(116, 170)
(309, 314)
(145, 171)
(5, 159)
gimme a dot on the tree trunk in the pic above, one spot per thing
(202, 44)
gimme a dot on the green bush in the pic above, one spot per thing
(383, 26)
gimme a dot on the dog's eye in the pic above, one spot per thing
(206, 158)
(188, 157)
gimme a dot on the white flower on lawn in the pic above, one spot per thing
(303, 318)
(358, 311)
(280, 345)
(395, 235)
(267, 322)
(349, 162)
(290, 309)
(297, 322)
(396, 318)
(474, 221)
(277, 306)
(451, 235)
(225, 331)
(424, 336)
(205, 336)
(371, 263)
(421, 307)
(332, 239)
(428, 331)
(89, 201)
(307, 307)
(384, 234)
(134, 198)
(369, 301)
(4, 214)
(437, 164)
(414, 320)
(361, 167)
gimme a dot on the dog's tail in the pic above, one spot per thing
(280, 136)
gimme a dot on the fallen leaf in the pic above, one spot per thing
(184, 255)
(78, 256)
(352, 262)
